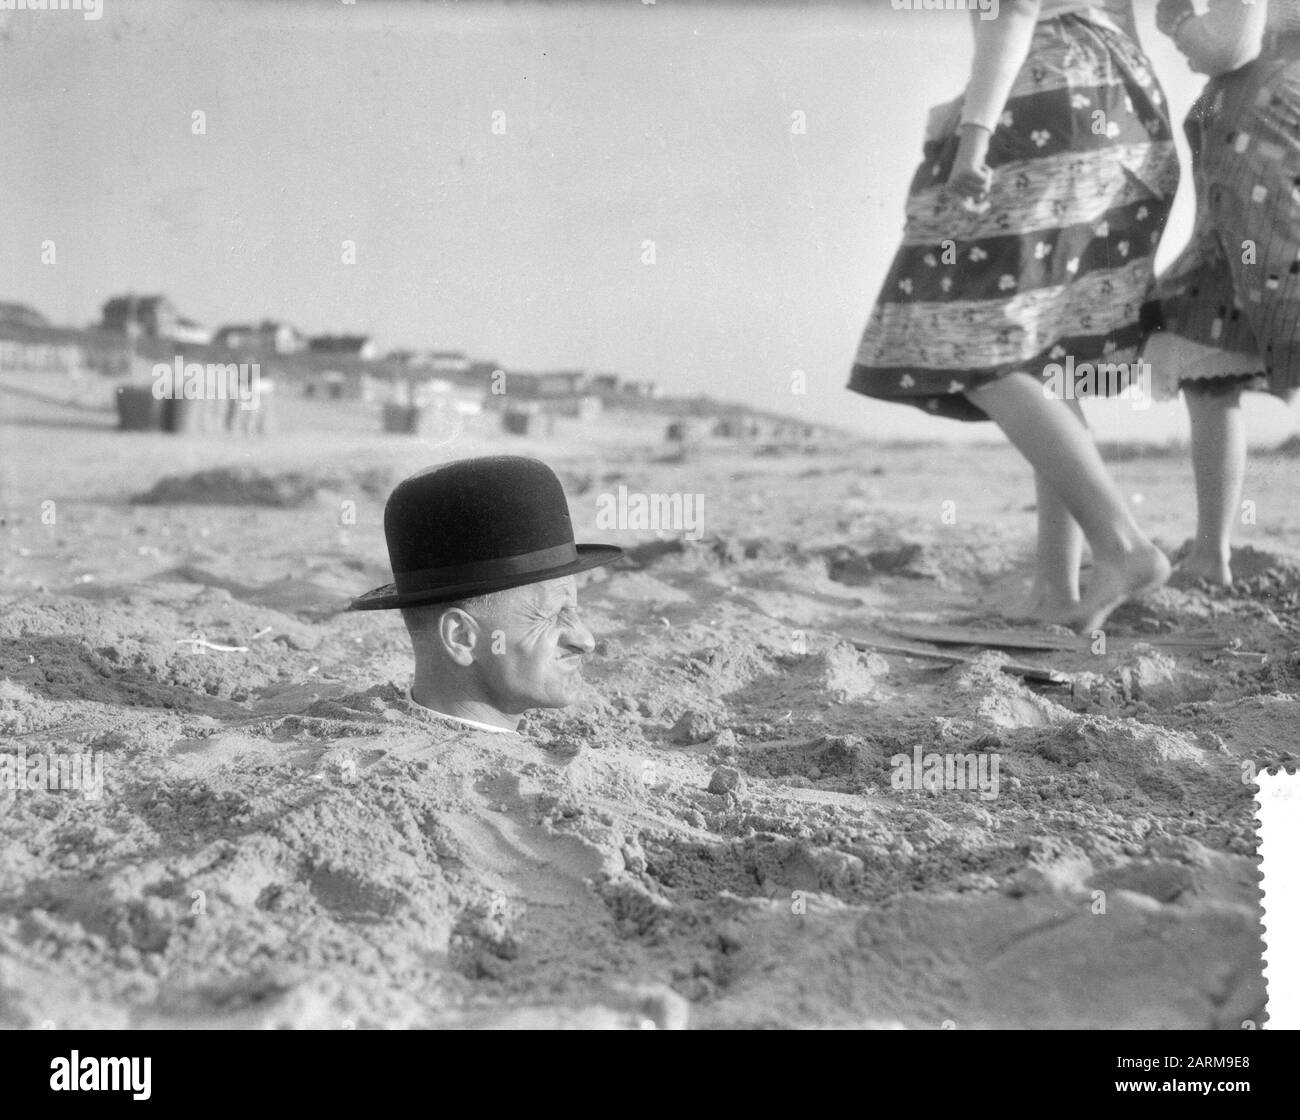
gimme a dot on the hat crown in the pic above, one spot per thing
(475, 511)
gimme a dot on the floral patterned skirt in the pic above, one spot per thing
(1057, 261)
(1236, 287)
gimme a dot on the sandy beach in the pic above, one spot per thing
(717, 836)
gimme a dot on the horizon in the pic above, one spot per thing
(519, 239)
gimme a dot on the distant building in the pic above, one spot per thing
(517, 383)
(267, 337)
(39, 357)
(408, 359)
(562, 383)
(151, 316)
(20, 315)
(440, 363)
(793, 430)
(649, 389)
(692, 429)
(351, 345)
(449, 363)
(187, 330)
(604, 382)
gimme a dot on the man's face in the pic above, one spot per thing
(534, 647)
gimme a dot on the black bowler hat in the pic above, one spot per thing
(477, 526)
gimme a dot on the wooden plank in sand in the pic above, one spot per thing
(1023, 639)
(1204, 639)
(887, 643)
(981, 636)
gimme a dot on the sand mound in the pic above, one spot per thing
(149, 650)
(248, 486)
(848, 565)
(713, 552)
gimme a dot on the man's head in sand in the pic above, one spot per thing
(483, 562)
(498, 655)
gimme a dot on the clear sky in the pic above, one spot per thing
(372, 122)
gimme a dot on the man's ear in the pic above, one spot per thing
(458, 635)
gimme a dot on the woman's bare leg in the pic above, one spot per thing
(1219, 466)
(1055, 593)
(1060, 448)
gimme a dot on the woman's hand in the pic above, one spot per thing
(1224, 39)
(971, 177)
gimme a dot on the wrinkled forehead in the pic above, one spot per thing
(552, 595)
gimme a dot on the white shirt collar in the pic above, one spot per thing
(457, 719)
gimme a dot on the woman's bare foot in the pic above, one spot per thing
(1041, 606)
(1213, 569)
(1142, 569)
(1052, 604)
(1056, 612)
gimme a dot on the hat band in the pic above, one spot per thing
(484, 571)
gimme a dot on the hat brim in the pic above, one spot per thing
(388, 598)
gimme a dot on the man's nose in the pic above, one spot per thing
(578, 638)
